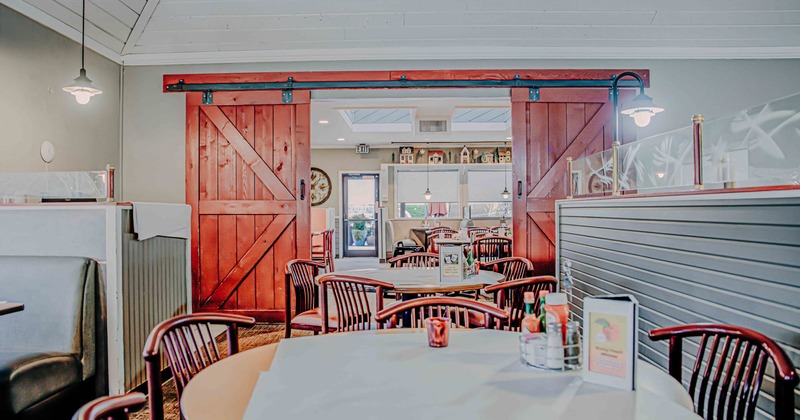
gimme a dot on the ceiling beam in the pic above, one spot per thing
(451, 53)
(139, 26)
(62, 28)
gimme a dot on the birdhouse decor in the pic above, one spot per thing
(464, 155)
(435, 157)
(508, 155)
(487, 157)
(406, 155)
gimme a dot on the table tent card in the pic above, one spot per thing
(610, 345)
(451, 263)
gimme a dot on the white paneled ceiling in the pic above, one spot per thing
(218, 31)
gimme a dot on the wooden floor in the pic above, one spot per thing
(259, 335)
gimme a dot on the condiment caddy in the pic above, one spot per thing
(549, 341)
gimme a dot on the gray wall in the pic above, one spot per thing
(721, 258)
(154, 133)
(35, 63)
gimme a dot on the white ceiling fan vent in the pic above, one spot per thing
(432, 126)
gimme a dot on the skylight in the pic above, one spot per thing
(481, 119)
(379, 120)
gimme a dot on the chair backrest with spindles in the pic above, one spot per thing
(300, 275)
(510, 295)
(457, 309)
(491, 248)
(190, 346)
(729, 369)
(352, 296)
(512, 268)
(415, 260)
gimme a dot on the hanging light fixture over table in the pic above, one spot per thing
(505, 192)
(82, 88)
(428, 194)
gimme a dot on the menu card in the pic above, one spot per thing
(610, 345)
(451, 263)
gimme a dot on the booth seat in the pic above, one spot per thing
(48, 351)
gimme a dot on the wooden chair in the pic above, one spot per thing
(351, 295)
(729, 369)
(510, 296)
(512, 268)
(474, 231)
(190, 347)
(433, 247)
(445, 229)
(415, 260)
(457, 309)
(111, 408)
(491, 248)
(299, 277)
(324, 251)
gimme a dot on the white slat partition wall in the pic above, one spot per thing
(723, 258)
(154, 289)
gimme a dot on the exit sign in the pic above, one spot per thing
(362, 149)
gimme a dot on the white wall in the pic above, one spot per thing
(154, 133)
(35, 63)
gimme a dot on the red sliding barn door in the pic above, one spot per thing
(562, 123)
(246, 158)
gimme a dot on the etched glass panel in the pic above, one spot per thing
(663, 162)
(20, 187)
(592, 174)
(756, 147)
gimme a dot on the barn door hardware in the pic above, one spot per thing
(208, 97)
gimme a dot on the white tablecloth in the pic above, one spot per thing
(397, 376)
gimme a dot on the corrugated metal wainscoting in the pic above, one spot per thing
(154, 289)
(730, 258)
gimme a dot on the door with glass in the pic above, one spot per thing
(360, 215)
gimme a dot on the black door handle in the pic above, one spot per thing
(302, 189)
(519, 189)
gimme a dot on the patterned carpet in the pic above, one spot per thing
(249, 338)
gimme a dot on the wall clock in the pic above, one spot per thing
(320, 186)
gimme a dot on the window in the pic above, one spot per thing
(411, 202)
(484, 192)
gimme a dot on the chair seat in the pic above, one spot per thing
(312, 320)
(27, 378)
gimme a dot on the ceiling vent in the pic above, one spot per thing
(433, 126)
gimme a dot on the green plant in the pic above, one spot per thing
(357, 222)
(358, 235)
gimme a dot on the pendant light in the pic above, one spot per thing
(505, 192)
(428, 194)
(82, 88)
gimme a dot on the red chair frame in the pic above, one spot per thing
(299, 278)
(750, 351)
(111, 408)
(510, 296)
(352, 301)
(513, 268)
(415, 260)
(455, 308)
(188, 350)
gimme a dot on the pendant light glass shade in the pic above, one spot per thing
(505, 193)
(428, 194)
(82, 87)
(641, 109)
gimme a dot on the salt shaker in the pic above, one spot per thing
(555, 346)
(572, 349)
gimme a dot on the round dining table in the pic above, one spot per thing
(393, 374)
(420, 281)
